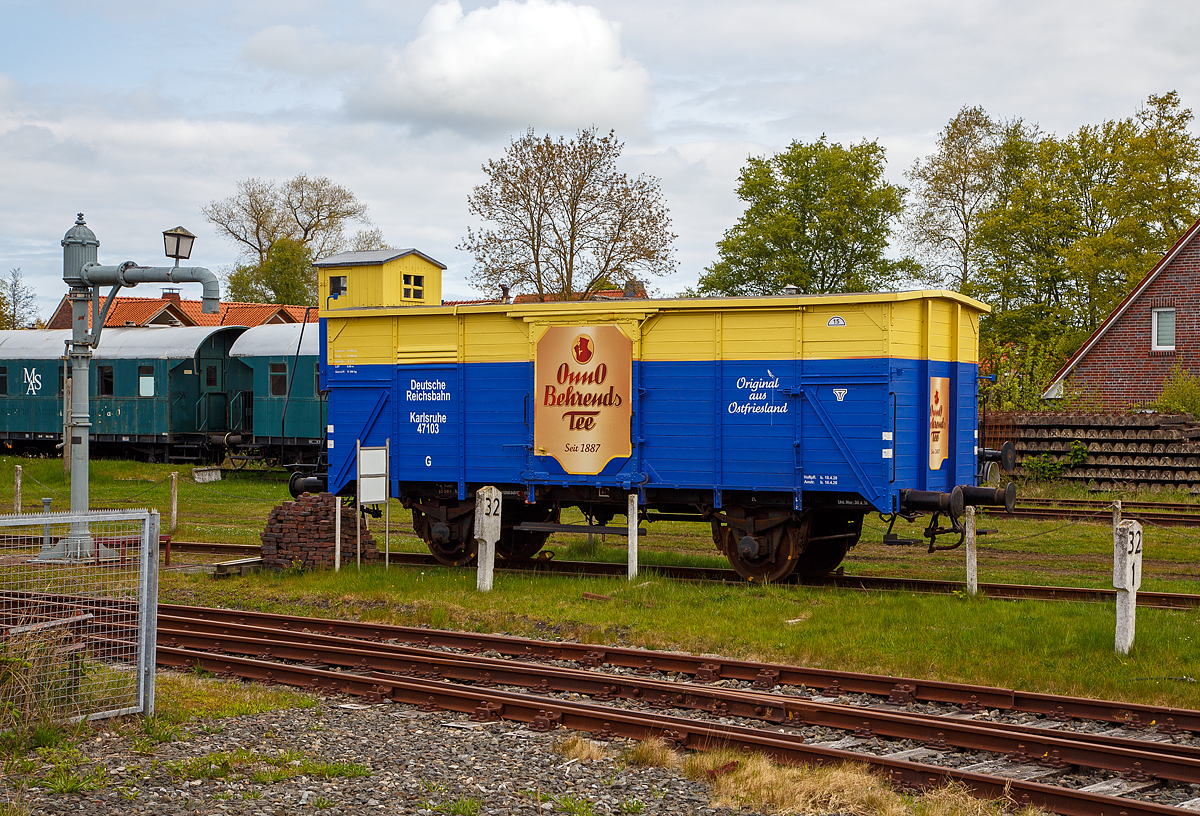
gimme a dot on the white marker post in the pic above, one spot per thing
(1127, 577)
(337, 534)
(487, 533)
(972, 560)
(17, 490)
(632, 512)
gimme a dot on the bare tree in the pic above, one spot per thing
(19, 302)
(311, 211)
(565, 222)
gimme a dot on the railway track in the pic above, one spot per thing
(1161, 513)
(1069, 755)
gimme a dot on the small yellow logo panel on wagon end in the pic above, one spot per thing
(584, 382)
(939, 424)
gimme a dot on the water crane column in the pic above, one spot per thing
(85, 276)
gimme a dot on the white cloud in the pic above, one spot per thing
(540, 63)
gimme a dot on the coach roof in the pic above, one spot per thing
(141, 343)
(278, 340)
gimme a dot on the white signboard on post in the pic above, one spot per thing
(1127, 578)
(487, 533)
(373, 488)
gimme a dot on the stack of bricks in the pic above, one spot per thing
(300, 534)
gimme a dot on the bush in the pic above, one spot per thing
(1180, 394)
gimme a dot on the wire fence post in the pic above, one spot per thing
(17, 490)
(972, 559)
(174, 502)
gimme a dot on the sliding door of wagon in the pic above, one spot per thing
(845, 439)
(846, 433)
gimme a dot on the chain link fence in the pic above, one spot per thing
(78, 601)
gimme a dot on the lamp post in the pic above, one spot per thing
(179, 243)
(85, 276)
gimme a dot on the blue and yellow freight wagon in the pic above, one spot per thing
(781, 421)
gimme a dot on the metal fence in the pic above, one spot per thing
(78, 603)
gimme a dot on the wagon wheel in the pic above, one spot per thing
(453, 553)
(832, 534)
(764, 569)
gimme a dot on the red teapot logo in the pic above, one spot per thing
(583, 349)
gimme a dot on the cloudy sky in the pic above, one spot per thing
(138, 112)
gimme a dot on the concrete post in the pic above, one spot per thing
(633, 534)
(972, 561)
(1127, 578)
(17, 490)
(487, 532)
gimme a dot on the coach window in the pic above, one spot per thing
(1162, 330)
(104, 381)
(337, 285)
(210, 376)
(146, 381)
(278, 379)
(3, 381)
(414, 286)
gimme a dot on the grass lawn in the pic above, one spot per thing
(1054, 647)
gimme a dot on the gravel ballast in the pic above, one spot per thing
(420, 763)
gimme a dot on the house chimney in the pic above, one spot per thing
(171, 295)
(504, 293)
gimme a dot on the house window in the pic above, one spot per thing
(278, 379)
(337, 285)
(146, 381)
(1162, 330)
(414, 286)
(104, 381)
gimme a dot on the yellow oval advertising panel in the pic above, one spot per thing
(939, 421)
(583, 384)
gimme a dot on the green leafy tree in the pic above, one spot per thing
(952, 189)
(563, 222)
(818, 216)
(286, 276)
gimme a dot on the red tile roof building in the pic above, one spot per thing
(1154, 329)
(172, 310)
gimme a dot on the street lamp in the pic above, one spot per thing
(179, 243)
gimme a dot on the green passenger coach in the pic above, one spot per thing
(160, 392)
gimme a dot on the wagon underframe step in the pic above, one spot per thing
(551, 527)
